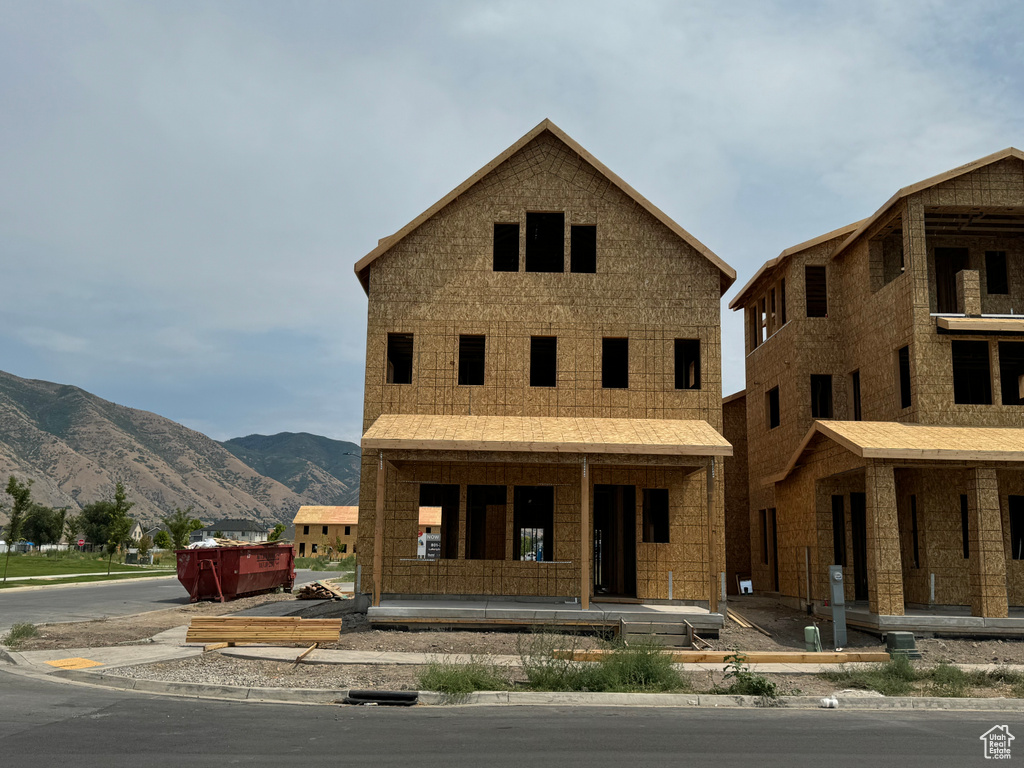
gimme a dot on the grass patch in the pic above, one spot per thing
(323, 564)
(894, 678)
(740, 681)
(461, 679)
(134, 574)
(19, 633)
(70, 563)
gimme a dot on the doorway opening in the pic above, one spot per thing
(859, 524)
(615, 540)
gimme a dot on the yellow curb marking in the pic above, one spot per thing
(76, 663)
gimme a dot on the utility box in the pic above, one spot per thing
(903, 644)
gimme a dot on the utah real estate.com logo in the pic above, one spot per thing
(997, 742)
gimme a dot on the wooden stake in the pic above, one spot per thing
(303, 655)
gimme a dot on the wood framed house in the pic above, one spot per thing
(885, 406)
(543, 366)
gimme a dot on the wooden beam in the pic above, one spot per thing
(713, 580)
(378, 529)
(584, 536)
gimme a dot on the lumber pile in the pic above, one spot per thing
(271, 630)
(320, 590)
(746, 623)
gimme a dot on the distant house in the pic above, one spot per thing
(239, 530)
(326, 531)
(137, 532)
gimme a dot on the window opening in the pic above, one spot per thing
(948, 263)
(583, 248)
(1016, 504)
(545, 242)
(913, 530)
(972, 380)
(855, 387)
(533, 511)
(506, 247)
(655, 517)
(305, 530)
(771, 400)
(903, 363)
(485, 522)
(996, 278)
(399, 358)
(821, 396)
(441, 501)
(764, 536)
(543, 361)
(615, 363)
(687, 363)
(1011, 372)
(471, 360)
(965, 525)
(782, 299)
(816, 290)
(324, 532)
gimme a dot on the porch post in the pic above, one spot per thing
(885, 568)
(988, 559)
(712, 538)
(378, 529)
(584, 537)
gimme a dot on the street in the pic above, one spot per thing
(59, 603)
(45, 723)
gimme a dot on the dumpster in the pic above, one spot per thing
(227, 573)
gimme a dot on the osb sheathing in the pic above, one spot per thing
(737, 494)
(685, 555)
(335, 539)
(867, 323)
(438, 282)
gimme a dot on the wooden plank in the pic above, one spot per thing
(304, 654)
(585, 532)
(215, 647)
(753, 657)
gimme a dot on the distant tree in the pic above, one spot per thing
(43, 525)
(145, 545)
(162, 539)
(95, 520)
(275, 534)
(73, 527)
(180, 524)
(118, 534)
(218, 534)
(22, 495)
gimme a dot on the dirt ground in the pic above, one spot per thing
(785, 625)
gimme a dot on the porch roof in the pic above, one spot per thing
(893, 440)
(549, 434)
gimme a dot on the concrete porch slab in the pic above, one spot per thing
(944, 620)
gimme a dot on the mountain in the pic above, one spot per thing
(77, 446)
(317, 468)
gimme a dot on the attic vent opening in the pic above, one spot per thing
(543, 361)
(399, 358)
(506, 247)
(471, 359)
(583, 248)
(545, 242)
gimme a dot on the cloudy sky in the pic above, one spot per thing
(184, 186)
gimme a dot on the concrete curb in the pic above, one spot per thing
(530, 698)
(88, 583)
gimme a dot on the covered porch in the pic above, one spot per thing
(927, 523)
(557, 510)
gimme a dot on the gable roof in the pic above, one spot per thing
(771, 264)
(974, 165)
(895, 440)
(728, 274)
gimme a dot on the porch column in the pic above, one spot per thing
(378, 528)
(712, 538)
(988, 560)
(885, 567)
(585, 536)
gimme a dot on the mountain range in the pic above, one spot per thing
(76, 446)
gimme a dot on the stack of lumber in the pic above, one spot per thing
(272, 630)
(320, 590)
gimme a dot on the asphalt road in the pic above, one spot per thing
(59, 603)
(44, 723)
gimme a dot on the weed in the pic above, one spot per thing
(740, 681)
(461, 679)
(19, 633)
(893, 678)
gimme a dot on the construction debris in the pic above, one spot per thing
(746, 623)
(321, 590)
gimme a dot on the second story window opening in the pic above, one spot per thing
(903, 373)
(506, 247)
(471, 359)
(948, 263)
(771, 407)
(399, 358)
(687, 363)
(615, 363)
(545, 242)
(816, 290)
(583, 248)
(543, 361)
(1011, 372)
(855, 395)
(972, 378)
(821, 396)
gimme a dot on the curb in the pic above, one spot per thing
(529, 698)
(88, 583)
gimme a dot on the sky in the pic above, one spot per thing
(185, 186)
